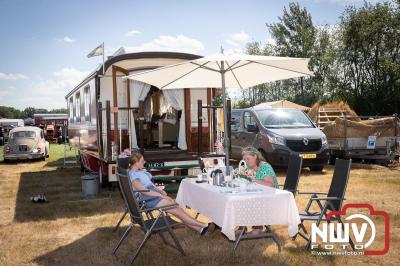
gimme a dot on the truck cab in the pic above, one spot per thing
(278, 132)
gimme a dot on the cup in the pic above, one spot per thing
(200, 177)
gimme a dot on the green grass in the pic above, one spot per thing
(57, 153)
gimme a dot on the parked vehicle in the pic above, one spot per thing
(277, 133)
(55, 126)
(26, 143)
(8, 124)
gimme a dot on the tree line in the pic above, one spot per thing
(356, 60)
(11, 112)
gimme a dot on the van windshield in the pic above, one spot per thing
(23, 134)
(283, 118)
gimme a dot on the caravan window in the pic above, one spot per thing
(71, 109)
(78, 107)
(86, 100)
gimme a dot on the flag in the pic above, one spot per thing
(99, 50)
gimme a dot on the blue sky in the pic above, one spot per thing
(44, 43)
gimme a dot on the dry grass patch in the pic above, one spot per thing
(71, 231)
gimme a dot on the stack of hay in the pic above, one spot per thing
(355, 127)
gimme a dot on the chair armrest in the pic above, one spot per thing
(162, 208)
(328, 198)
(313, 193)
(145, 190)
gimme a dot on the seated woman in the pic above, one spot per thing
(141, 180)
(262, 171)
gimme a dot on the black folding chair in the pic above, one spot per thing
(158, 225)
(293, 173)
(331, 202)
(124, 164)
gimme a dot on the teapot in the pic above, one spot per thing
(217, 177)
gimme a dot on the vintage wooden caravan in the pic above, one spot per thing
(109, 114)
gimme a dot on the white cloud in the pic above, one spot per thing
(68, 39)
(234, 51)
(132, 33)
(238, 38)
(70, 73)
(179, 43)
(4, 93)
(11, 76)
(50, 93)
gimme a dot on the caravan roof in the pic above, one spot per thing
(122, 55)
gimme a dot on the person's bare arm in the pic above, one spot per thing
(268, 181)
(138, 186)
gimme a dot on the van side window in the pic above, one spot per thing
(235, 122)
(248, 119)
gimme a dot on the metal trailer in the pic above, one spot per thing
(383, 149)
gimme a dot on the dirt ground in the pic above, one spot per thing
(70, 230)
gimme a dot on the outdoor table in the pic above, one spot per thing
(269, 206)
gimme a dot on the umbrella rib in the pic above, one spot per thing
(241, 65)
(203, 66)
(230, 69)
(198, 66)
(279, 68)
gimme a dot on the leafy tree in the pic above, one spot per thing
(370, 58)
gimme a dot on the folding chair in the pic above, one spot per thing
(268, 233)
(293, 173)
(332, 202)
(124, 164)
(158, 225)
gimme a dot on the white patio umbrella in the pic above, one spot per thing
(225, 71)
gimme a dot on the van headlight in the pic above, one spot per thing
(275, 139)
(35, 150)
(324, 141)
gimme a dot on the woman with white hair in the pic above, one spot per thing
(262, 171)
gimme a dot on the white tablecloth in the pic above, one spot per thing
(268, 207)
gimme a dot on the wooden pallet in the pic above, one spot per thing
(328, 115)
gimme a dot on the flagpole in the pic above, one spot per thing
(103, 58)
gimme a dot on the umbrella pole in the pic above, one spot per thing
(226, 140)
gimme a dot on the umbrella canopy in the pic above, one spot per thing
(241, 71)
(225, 71)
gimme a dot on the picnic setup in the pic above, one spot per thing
(200, 133)
(229, 197)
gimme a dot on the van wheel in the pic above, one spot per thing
(318, 168)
